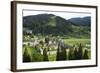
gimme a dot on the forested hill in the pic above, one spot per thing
(85, 21)
(47, 24)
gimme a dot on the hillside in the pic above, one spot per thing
(85, 21)
(49, 24)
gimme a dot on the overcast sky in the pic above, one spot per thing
(66, 15)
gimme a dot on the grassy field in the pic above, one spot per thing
(76, 41)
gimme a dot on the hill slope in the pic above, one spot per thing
(85, 21)
(47, 24)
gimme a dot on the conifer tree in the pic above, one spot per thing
(61, 51)
(80, 52)
(71, 54)
(45, 56)
(26, 57)
(85, 56)
(76, 54)
(64, 54)
(61, 54)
